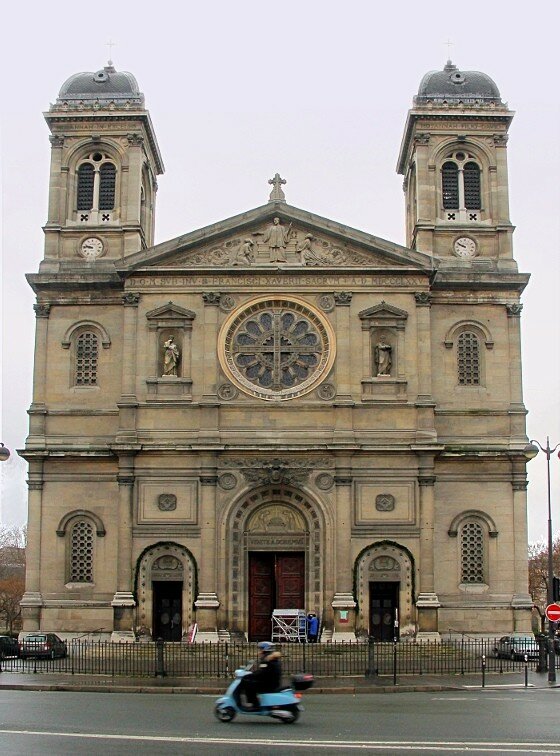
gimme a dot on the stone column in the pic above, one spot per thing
(207, 602)
(343, 602)
(517, 411)
(123, 601)
(521, 601)
(343, 363)
(209, 409)
(427, 603)
(32, 600)
(425, 430)
(426, 194)
(128, 402)
(38, 411)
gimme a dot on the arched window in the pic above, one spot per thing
(461, 183)
(96, 188)
(450, 186)
(472, 553)
(81, 552)
(471, 182)
(87, 351)
(468, 359)
(86, 174)
(107, 178)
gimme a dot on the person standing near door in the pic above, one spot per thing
(312, 627)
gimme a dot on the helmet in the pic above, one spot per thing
(265, 646)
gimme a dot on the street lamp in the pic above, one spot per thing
(550, 598)
(4, 452)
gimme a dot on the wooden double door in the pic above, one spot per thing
(276, 581)
(383, 610)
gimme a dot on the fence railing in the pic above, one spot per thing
(333, 659)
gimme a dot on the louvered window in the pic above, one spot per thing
(107, 176)
(471, 181)
(450, 186)
(86, 178)
(468, 359)
(87, 348)
(81, 553)
(472, 553)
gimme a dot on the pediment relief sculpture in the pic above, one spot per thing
(277, 242)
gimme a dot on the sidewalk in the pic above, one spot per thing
(323, 685)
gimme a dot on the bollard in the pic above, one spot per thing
(160, 671)
(483, 670)
(526, 670)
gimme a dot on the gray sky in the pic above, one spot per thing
(317, 90)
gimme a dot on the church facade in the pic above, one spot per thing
(277, 411)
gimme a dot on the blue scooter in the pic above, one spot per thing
(283, 705)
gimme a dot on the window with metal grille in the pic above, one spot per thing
(107, 176)
(468, 359)
(472, 553)
(81, 553)
(450, 186)
(86, 178)
(87, 349)
(471, 182)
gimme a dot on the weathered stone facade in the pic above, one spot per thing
(276, 410)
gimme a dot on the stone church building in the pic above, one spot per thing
(277, 411)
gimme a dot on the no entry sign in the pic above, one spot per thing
(553, 612)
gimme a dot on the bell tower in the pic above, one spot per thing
(104, 163)
(453, 158)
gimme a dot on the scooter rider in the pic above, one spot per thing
(265, 677)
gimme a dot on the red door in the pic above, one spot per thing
(276, 581)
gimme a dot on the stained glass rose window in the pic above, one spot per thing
(277, 348)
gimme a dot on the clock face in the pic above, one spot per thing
(91, 248)
(464, 246)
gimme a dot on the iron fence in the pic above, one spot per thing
(333, 659)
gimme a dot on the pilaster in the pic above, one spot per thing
(207, 602)
(123, 601)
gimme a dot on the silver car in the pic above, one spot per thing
(516, 646)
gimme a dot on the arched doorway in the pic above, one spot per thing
(384, 586)
(165, 580)
(275, 558)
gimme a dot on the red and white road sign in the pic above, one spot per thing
(552, 612)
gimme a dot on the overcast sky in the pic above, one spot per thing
(318, 91)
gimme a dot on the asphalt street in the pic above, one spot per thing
(500, 721)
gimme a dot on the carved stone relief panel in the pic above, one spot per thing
(379, 503)
(274, 242)
(177, 504)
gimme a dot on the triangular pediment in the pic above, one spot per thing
(297, 239)
(170, 312)
(382, 312)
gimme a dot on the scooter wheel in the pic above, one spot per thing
(293, 718)
(224, 713)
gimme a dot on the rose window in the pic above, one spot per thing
(277, 349)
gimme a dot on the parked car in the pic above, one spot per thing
(8, 646)
(42, 645)
(516, 646)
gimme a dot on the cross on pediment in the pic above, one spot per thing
(277, 194)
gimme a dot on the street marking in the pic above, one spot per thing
(378, 745)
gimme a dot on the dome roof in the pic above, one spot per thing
(105, 85)
(453, 85)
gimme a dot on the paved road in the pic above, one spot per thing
(482, 721)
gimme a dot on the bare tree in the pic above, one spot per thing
(538, 575)
(13, 541)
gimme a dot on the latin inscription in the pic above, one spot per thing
(159, 282)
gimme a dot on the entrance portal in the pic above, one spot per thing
(168, 610)
(383, 608)
(276, 581)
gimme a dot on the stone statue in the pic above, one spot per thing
(276, 236)
(383, 358)
(244, 255)
(306, 253)
(170, 357)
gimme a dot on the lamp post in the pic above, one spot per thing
(550, 597)
(4, 452)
